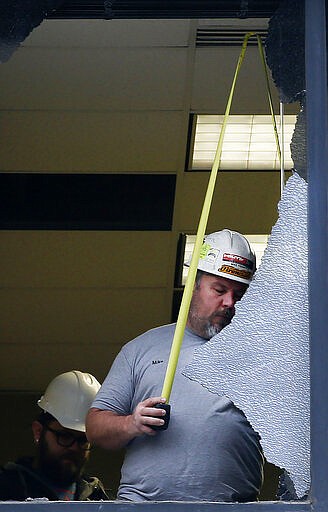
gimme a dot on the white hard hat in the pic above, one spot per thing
(68, 398)
(227, 254)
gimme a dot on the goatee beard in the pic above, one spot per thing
(212, 330)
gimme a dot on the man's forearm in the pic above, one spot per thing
(109, 430)
(112, 431)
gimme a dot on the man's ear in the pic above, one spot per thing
(37, 430)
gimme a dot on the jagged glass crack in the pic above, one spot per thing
(261, 360)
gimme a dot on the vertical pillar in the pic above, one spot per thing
(317, 154)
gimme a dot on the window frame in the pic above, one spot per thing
(317, 144)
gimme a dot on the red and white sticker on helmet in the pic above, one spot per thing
(238, 260)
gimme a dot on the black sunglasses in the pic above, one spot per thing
(67, 440)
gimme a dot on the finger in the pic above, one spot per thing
(152, 411)
(150, 421)
(149, 402)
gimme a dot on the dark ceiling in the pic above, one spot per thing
(142, 9)
(18, 18)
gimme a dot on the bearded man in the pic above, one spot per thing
(209, 452)
(57, 472)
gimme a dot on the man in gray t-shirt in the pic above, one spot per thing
(209, 451)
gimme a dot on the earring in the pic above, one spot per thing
(36, 440)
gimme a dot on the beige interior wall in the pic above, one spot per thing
(70, 299)
(96, 96)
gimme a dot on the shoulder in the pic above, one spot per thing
(147, 340)
(153, 334)
(91, 488)
(7, 469)
(10, 468)
(11, 481)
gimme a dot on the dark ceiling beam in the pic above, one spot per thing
(143, 9)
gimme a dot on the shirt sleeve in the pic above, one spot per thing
(116, 392)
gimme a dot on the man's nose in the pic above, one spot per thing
(229, 299)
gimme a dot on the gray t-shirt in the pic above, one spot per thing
(209, 451)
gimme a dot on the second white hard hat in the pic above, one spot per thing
(227, 254)
(68, 398)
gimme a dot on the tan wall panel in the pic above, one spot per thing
(90, 142)
(81, 317)
(32, 365)
(94, 79)
(245, 201)
(84, 259)
(218, 66)
(109, 33)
